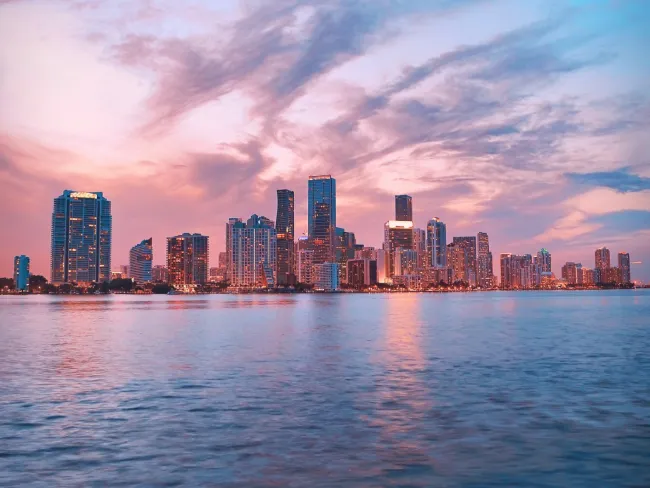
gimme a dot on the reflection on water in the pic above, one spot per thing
(477, 389)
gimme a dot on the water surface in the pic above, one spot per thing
(475, 389)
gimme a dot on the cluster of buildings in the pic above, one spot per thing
(263, 253)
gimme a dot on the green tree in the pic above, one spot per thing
(161, 288)
(7, 283)
(37, 283)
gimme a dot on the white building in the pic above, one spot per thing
(326, 276)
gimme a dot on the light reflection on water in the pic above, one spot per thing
(480, 389)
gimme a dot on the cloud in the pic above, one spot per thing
(620, 180)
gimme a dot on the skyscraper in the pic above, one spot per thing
(229, 226)
(484, 261)
(140, 261)
(284, 227)
(469, 243)
(21, 272)
(405, 261)
(436, 243)
(570, 272)
(420, 245)
(159, 274)
(403, 208)
(458, 258)
(361, 272)
(187, 259)
(397, 234)
(321, 217)
(81, 238)
(624, 267)
(517, 271)
(602, 266)
(254, 253)
(544, 260)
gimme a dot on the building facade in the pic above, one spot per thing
(403, 208)
(624, 267)
(518, 271)
(254, 253)
(321, 217)
(361, 273)
(187, 259)
(21, 273)
(570, 273)
(140, 261)
(469, 244)
(326, 276)
(602, 264)
(229, 226)
(81, 238)
(285, 233)
(397, 234)
(485, 271)
(406, 262)
(159, 274)
(458, 260)
(420, 246)
(436, 246)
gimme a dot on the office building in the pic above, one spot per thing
(585, 276)
(229, 226)
(254, 253)
(187, 259)
(403, 208)
(223, 260)
(484, 261)
(602, 264)
(326, 276)
(544, 261)
(21, 273)
(321, 217)
(305, 265)
(397, 234)
(366, 253)
(284, 228)
(383, 266)
(345, 248)
(624, 267)
(159, 274)
(570, 273)
(436, 246)
(420, 246)
(469, 244)
(458, 260)
(140, 261)
(406, 262)
(81, 238)
(217, 274)
(361, 272)
(518, 271)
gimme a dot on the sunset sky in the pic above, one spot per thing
(525, 119)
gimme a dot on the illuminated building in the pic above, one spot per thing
(140, 258)
(409, 281)
(326, 276)
(345, 249)
(383, 266)
(403, 208)
(570, 273)
(484, 261)
(187, 259)
(321, 217)
(305, 264)
(223, 260)
(436, 246)
(366, 253)
(624, 267)
(405, 261)
(361, 272)
(284, 228)
(81, 238)
(217, 274)
(420, 245)
(254, 253)
(469, 244)
(21, 272)
(397, 234)
(518, 271)
(541, 264)
(458, 259)
(159, 274)
(585, 276)
(602, 263)
(229, 226)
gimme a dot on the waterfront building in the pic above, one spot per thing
(436, 245)
(406, 261)
(223, 260)
(187, 259)
(217, 274)
(361, 272)
(254, 253)
(602, 263)
(81, 238)
(397, 234)
(321, 217)
(383, 266)
(484, 261)
(140, 261)
(365, 253)
(518, 271)
(409, 281)
(21, 272)
(285, 228)
(541, 265)
(624, 267)
(420, 246)
(469, 244)
(345, 249)
(229, 226)
(403, 208)
(124, 270)
(570, 273)
(326, 276)
(159, 274)
(458, 259)
(585, 276)
(305, 265)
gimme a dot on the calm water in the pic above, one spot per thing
(479, 389)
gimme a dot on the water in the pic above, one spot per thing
(478, 389)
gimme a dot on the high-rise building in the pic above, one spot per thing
(542, 265)
(570, 273)
(187, 259)
(458, 258)
(469, 243)
(624, 267)
(254, 253)
(223, 260)
(436, 243)
(602, 258)
(383, 266)
(229, 226)
(140, 261)
(326, 276)
(484, 261)
(284, 227)
(406, 261)
(81, 238)
(585, 276)
(420, 246)
(517, 271)
(304, 260)
(21, 272)
(159, 274)
(366, 253)
(321, 217)
(397, 234)
(217, 274)
(403, 208)
(361, 272)
(345, 248)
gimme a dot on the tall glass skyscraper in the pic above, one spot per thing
(187, 259)
(624, 267)
(81, 238)
(436, 243)
(469, 243)
(403, 208)
(321, 217)
(284, 227)
(484, 261)
(21, 272)
(140, 261)
(254, 253)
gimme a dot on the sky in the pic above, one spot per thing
(528, 120)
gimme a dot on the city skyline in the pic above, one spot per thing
(525, 120)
